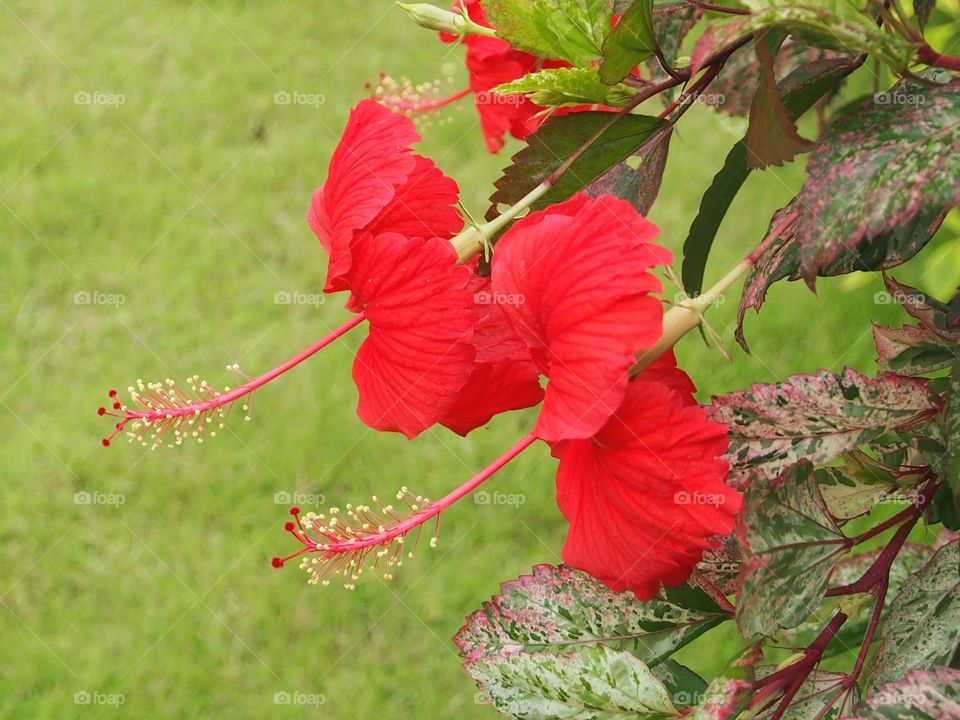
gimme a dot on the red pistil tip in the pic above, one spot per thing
(105, 442)
(277, 562)
(101, 411)
(359, 538)
(112, 393)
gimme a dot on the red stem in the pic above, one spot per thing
(928, 56)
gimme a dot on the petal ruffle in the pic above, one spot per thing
(581, 269)
(646, 495)
(419, 352)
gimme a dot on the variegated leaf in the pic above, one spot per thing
(919, 695)
(596, 683)
(790, 545)
(815, 417)
(911, 350)
(558, 608)
(922, 628)
(728, 694)
(853, 489)
(877, 168)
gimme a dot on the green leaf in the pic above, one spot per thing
(557, 141)
(919, 695)
(834, 24)
(632, 41)
(557, 608)
(922, 628)
(790, 546)
(571, 30)
(892, 160)
(636, 179)
(685, 687)
(562, 87)
(816, 417)
(596, 683)
(801, 89)
(772, 138)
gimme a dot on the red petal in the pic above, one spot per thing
(371, 161)
(581, 268)
(646, 495)
(504, 377)
(424, 206)
(419, 352)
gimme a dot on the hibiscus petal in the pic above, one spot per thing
(581, 268)
(424, 206)
(646, 496)
(371, 161)
(419, 351)
(504, 377)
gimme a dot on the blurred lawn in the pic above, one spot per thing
(188, 200)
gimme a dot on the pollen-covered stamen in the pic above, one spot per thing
(410, 99)
(167, 413)
(374, 537)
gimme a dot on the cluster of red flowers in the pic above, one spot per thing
(570, 297)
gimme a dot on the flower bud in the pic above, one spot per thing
(434, 18)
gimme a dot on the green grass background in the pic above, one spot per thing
(188, 199)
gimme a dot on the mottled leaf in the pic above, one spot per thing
(919, 695)
(557, 608)
(671, 22)
(922, 628)
(557, 141)
(815, 417)
(564, 87)
(834, 24)
(596, 683)
(877, 168)
(781, 259)
(684, 686)
(636, 179)
(932, 314)
(629, 43)
(790, 545)
(853, 489)
(801, 89)
(951, 459)
(728, 694)
(571, 30)
(720, 567)
(911, 350)
(772, 138)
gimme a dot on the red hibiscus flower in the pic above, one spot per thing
(376, 184)
(492, 62)
(646, 495)
(580, 272)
